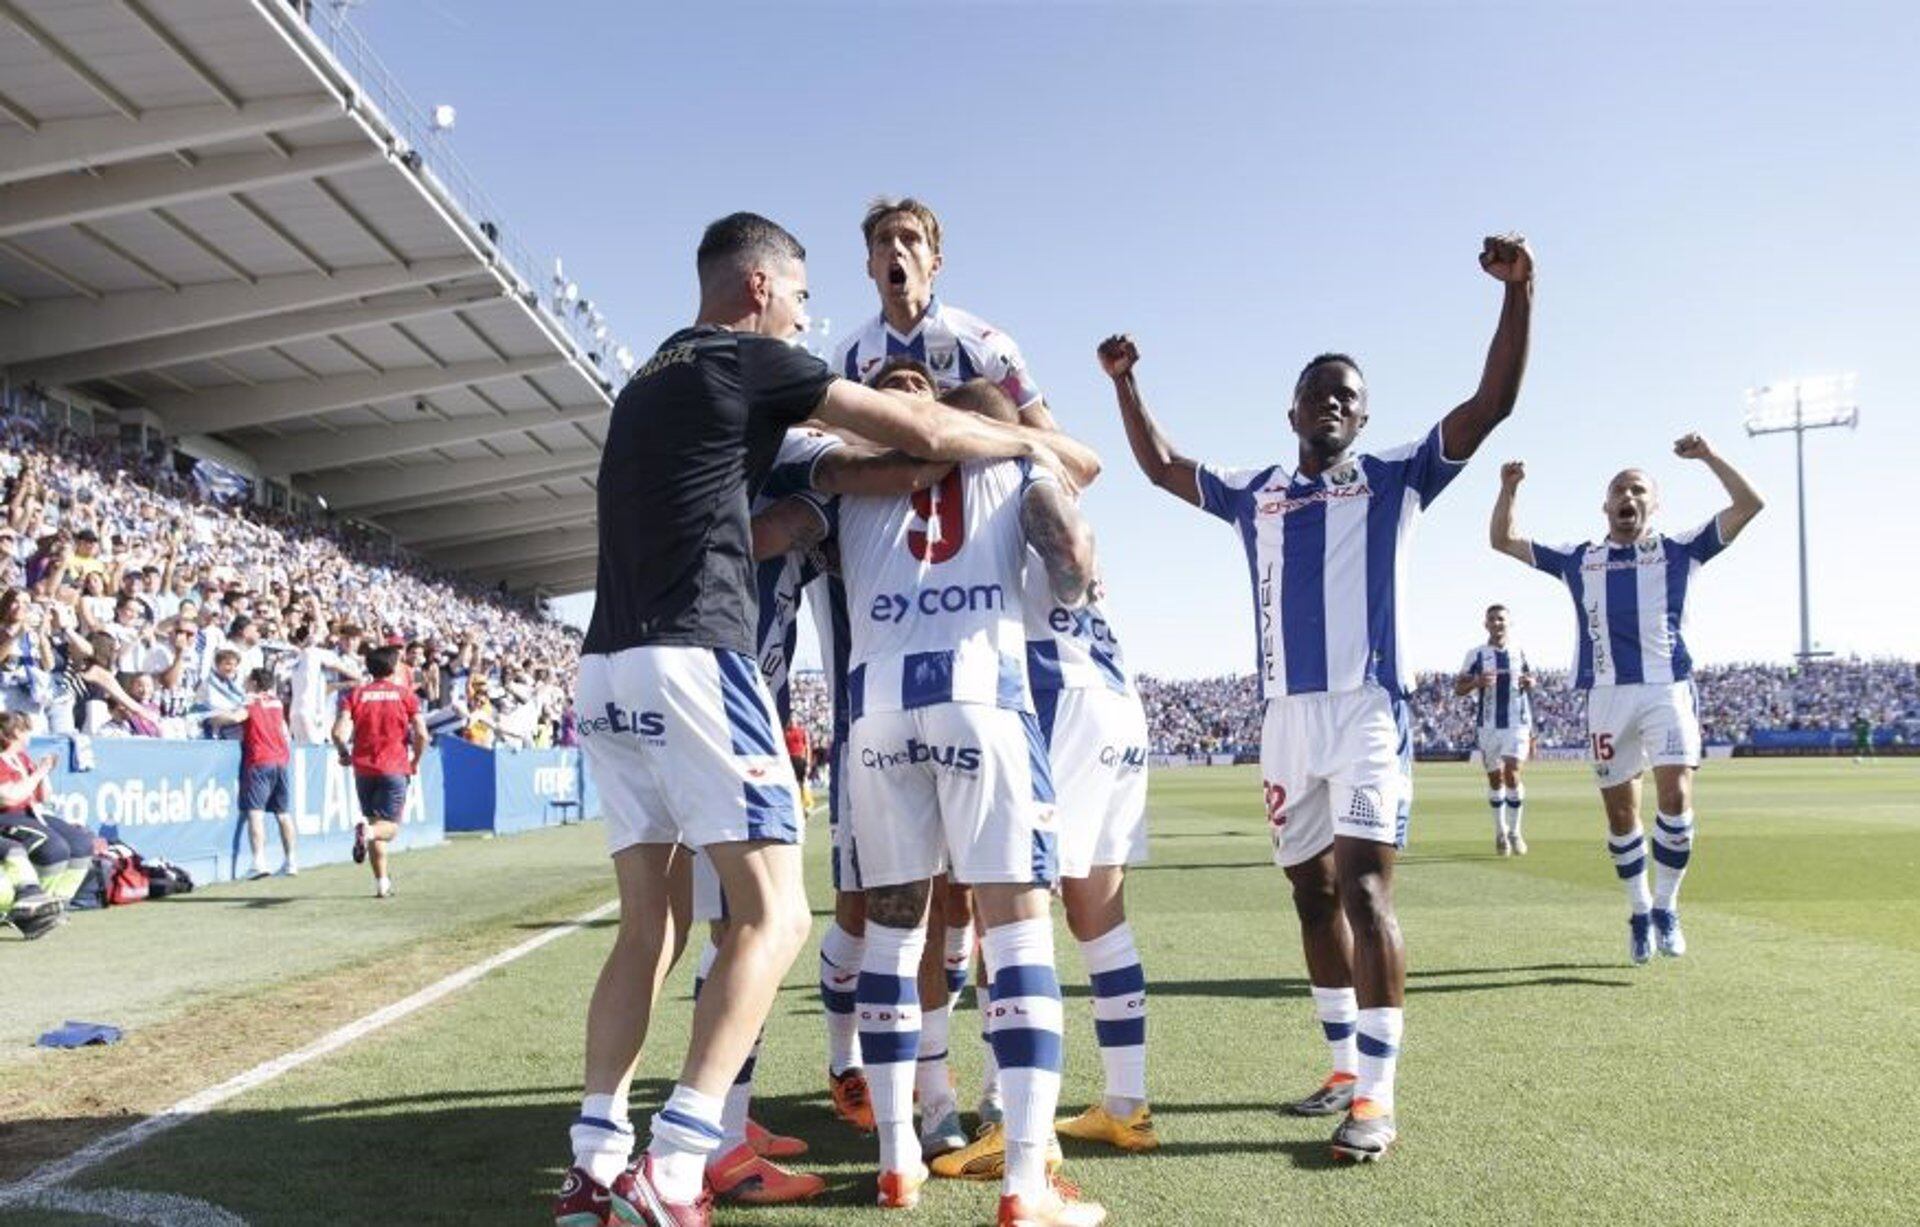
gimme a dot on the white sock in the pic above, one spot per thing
(1516, 808)
(736, 1105)
(685, 1131)
(1339, 1012)
(890, 1037)
(990, 1065)
(1497, 800)
(1379, 1042)
(1025, 1024)
(602, 1137)
(1672, 849)
(840, 953)
(1630, 862)
(930, 1065)
(959, 959)
(1119, 1016)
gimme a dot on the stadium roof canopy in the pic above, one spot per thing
(225, 212)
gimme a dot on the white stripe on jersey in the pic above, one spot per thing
(1631, 602)
(955, 345)
(1504, 697)
(1068, 649)
(1327, 559)
(934, 588)
(778, 580)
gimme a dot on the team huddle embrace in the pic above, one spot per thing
(989, 746)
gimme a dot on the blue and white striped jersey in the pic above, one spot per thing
(1069, 649)
(955, 345)
(934, 585)
(777, 581)
(1325, 557)
(1502, 706)
(1631, 602)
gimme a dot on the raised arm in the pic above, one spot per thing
(1746, 502)
(1164, 467)
(1507, 259)
(1059, 534)
(1501, 533)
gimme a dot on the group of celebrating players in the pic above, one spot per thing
(989, 745)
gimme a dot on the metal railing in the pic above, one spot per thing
(427, 152)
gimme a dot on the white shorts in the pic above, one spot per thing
(309, 728)
(1335, 764)
(1097, 749)
(684, 747)
(1631, 728)
(1497, 745)
(960, 788)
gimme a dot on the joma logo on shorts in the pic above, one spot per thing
(651, 724)
(931, 602)
(960, 758)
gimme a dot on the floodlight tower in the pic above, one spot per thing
(1800, 406)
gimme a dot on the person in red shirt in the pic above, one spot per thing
(264, 765)
(800, 754)
(388, 738)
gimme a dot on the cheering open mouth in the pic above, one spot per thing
(896, 274)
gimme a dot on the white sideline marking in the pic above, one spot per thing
(94, 1153)
(127, 1206)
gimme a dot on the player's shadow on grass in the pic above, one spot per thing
(605, 922)
(258, 901)
(1163, 867)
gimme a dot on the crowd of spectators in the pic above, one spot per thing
(134, 600)
(1221, 715)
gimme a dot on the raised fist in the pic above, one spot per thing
(1506, 257)
(1691, 446)
(1118, 353)
(1512, 473)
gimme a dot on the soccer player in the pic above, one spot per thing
(1323, 541)
(1501, 681)
(946, 772)
(676, 723)
(379, 733)
(264, 758)
(903, 239)
(1629, 594)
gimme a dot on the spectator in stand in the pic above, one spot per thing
(265, 757)
(480, 725)
(316, 672)
(379, 733)
(26, 658)
(132, 716)
(223, 691)
(799, 753)
(61, 851)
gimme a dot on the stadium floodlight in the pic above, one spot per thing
(1799, 406)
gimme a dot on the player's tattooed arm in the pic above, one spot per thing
(1164, 467)
(1501, 533)
(1508, 260)
(858, 470)
(790, 524)
(1059, 534)
(898, 907)
(1466, 683)
(1746, 503)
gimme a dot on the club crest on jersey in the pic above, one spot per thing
(1344, 476)
(941, 359)
(1649, 545)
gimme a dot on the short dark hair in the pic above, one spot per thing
(984, 397)
(902, 362)
(1320, 360)
(1501, 608)
(382, 661)
(261, 679)
(744, 238)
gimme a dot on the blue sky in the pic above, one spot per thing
(1719, 195)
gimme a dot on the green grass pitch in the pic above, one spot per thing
(1769, 1077)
